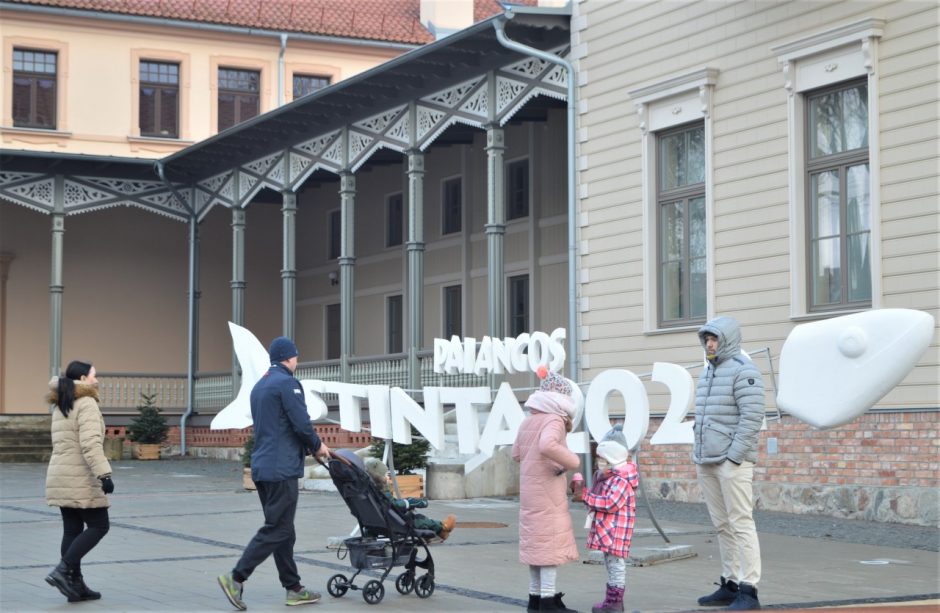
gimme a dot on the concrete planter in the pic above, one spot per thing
(114, 448)
(247, 482)
(147, 451)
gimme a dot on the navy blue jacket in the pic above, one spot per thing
(282, 429)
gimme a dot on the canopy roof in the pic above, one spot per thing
(422, 71)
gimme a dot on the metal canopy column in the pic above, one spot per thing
(238, 279)
(289, 267)
(55, 286)
(415, 264)
(347, 268)
(495, 223)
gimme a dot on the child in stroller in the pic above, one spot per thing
(379, 473)
(388, 538)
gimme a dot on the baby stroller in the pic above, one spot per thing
(388, 537)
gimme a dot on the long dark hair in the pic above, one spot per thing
(66, 395)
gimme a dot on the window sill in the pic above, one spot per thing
(36, 136)
(684, 329)
(817, 315)
(158, 144)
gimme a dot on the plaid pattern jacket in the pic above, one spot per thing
(613, 503)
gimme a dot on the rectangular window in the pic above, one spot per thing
(394, 315)
(395, 221)
(307, 84)
(518, 305)
(333, 332)
(453, 311)
(839, 202)
(34, 89)
(517, 189)
(159, 99)
(239, 97)
(680, 205)
(451, 205)
(335, 238)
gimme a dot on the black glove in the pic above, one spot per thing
(107, 485)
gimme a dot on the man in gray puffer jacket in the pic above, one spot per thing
(729, 410)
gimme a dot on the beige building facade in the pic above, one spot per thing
(696, 152)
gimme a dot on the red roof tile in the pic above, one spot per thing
(385, 20)
(487, 8)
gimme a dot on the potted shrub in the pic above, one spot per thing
(407, 459)
(247, 448)
(149, 429)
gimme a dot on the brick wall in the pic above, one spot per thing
(882, 466)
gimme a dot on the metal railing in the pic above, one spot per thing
(121, 392)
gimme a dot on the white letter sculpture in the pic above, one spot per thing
(830, 373)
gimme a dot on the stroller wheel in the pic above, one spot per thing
(337, 586)
(373, 592)
(405, 583)
(424, 587)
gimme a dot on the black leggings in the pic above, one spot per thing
(77, 540)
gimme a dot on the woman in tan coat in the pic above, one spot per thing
(546, 538)
(79, 475)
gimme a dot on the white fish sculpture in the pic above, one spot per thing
(253, 358)
(832, 371)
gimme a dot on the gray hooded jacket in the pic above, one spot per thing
(729, 400)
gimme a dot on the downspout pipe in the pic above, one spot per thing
(280, 70)
(574, 363)
(191, 308)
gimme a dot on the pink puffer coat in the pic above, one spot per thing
(545, 534)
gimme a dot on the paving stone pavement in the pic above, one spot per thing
(178, 523)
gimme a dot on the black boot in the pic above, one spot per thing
(62, 578)
(725, 594)
(746, 599)
(84, 592)
(533, 603)
(554, 603)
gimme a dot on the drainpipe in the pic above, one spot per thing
(280, 70)
(191, 308)
(574, 364)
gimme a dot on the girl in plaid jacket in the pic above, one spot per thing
(612, 505)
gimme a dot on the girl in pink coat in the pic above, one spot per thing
(546, 538)
(611, 504)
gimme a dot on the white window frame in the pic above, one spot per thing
(679, 99)
(837, 55)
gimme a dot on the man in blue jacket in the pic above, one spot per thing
(729, 411)
(283, 436)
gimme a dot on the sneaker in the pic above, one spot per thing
(301, 596)
(233, 591)
(447, 526)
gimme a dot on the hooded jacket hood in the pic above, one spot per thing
(82, 390)
(728, 332)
